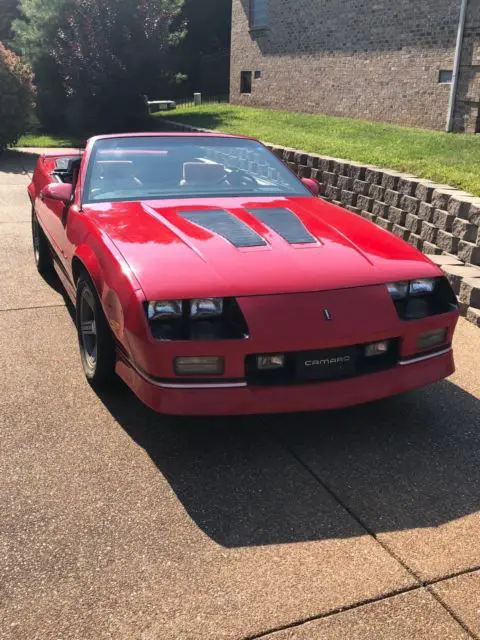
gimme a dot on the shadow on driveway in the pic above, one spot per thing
(17, 162)
(407, 462)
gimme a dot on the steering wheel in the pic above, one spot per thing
(240, 178)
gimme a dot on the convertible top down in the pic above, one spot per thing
(214, 281)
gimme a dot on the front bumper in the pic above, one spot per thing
(238, 398)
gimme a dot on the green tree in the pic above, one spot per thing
(102, 55)
(8, 13)
(16, 96)
(36, 26)
(35, 31)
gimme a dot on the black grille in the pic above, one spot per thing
(285, 223)
(226, 225)
(292, 373)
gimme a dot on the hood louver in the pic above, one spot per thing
(285, 223)
(226, 225)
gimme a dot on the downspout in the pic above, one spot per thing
(456, 66)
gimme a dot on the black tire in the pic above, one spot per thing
(97, 346)
(41, 248)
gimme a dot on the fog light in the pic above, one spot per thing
(270, 362)
(431, 338)
(377, 348)
(199, 365)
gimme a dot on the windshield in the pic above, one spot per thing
(150, 167)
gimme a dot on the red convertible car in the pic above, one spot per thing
(213, 281)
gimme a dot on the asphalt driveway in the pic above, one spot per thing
(118, 523)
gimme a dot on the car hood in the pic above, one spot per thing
(253, 246)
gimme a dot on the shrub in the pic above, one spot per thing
(16, 96)
(110, 54)
(52, 102)
(35, 31)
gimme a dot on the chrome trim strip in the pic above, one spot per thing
(185, 385)
(214, 385)
(428, 356)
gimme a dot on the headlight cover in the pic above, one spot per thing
(398, 290)
(197, 319)
(404, 288)
(421, 286)
(206, 307)
(165, 309)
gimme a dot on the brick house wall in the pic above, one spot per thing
(371, 59)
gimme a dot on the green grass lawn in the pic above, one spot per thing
(445, 158)
(45, 140)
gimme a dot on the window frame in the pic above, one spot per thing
(441, 76)
(244, 82)
(251, 14)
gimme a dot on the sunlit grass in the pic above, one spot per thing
(44, 140)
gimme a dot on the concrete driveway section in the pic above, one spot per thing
(462, 596)
(117, 523)
(20, 284)
(410, 616)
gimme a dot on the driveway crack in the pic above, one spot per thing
(41, 306)
(425, 584)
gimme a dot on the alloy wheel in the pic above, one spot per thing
(36, 239)
(88, 328)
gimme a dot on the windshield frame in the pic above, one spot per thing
(303, 191)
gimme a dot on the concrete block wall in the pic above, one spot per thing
(439, 220)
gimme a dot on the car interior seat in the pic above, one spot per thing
(116, 175)
(202, 174)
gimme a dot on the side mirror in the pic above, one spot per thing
(312, 185)
(61, 191)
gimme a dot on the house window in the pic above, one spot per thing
(258, 14)
(445, 77)
(246, 82)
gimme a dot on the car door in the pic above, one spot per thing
(51, 214)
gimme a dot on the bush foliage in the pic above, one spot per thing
(95, 60)
(16, 96)
(8, 13)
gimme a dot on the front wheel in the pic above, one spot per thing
(41, 250)
(97, 346)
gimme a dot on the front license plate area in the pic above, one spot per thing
(326, 364)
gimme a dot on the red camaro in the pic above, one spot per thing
(213, 281)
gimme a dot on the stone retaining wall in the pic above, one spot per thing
(439, 220)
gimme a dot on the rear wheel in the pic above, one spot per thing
(97, 346)
(41, 249)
